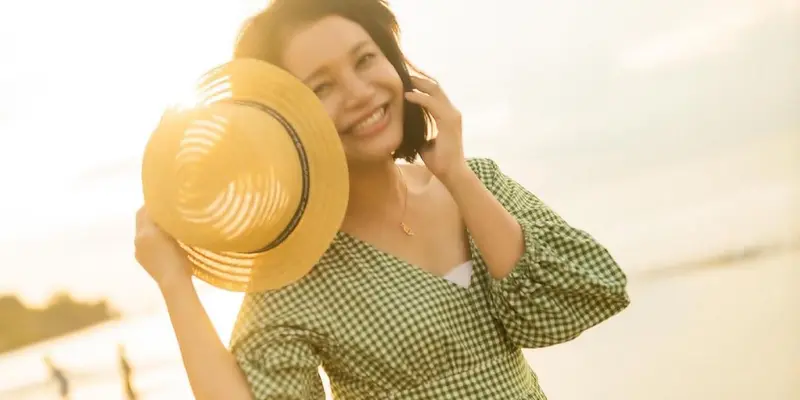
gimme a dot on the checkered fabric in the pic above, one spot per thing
(384, 329)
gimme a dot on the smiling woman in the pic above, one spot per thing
(322, 54)
(382, 310)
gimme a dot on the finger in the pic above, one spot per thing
(141, 214)
(428, 145)
(428, 86)
(143, 221)
(436, 106)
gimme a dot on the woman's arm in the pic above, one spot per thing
(552, 281)
(496, 232)
(212, 370)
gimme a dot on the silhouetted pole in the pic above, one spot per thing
(58, 375)
(127, 372)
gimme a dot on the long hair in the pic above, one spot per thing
(264, 35)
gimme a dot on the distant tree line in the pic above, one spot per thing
(21, 325)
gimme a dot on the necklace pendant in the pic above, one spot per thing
(406, 229)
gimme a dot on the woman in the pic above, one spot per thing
(441, 273)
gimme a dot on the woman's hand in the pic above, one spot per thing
(159, 254)
(444, 156)
(203, 353)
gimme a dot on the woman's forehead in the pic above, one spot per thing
(322, 44)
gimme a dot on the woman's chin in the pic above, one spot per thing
(375, 149)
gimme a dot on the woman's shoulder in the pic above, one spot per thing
(314, 282)
(305, 302)
(298, 303)
(323, 278)
(484, 167)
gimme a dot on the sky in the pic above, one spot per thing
(638, 119)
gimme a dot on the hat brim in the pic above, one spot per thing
(260, 82)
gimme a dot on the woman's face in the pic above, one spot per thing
(356, 83)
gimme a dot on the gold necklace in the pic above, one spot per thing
(403, 225)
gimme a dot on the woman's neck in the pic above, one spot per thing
(374, 187)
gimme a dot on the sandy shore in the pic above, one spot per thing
(727, 333)
(720, 334)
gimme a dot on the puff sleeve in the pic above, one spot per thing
(564, 283)
(280, 361)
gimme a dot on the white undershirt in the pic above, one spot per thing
(461, 275)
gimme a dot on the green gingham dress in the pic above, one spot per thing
(382, 328)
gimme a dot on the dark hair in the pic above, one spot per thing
(264, 34)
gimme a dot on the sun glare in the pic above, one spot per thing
(222, 308)
(109, 108)
(183, 97)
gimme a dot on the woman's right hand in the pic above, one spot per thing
(159, 254)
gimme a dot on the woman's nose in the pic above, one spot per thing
(358, 91)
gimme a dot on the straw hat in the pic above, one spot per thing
(251, 180)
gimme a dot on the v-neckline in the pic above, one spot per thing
(416, 268)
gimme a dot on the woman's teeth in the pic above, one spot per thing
(371, 120)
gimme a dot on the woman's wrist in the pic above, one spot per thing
(177, 286)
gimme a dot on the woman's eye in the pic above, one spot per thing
(321, 88)
(366, 58)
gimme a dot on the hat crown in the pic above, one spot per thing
(226, 172)
(251, 181)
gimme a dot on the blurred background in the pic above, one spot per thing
(668, 129)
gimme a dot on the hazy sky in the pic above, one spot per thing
(593, 104)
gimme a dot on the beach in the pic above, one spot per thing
(709, 243)
(724, 333)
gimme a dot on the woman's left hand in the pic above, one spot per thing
(445, 155)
